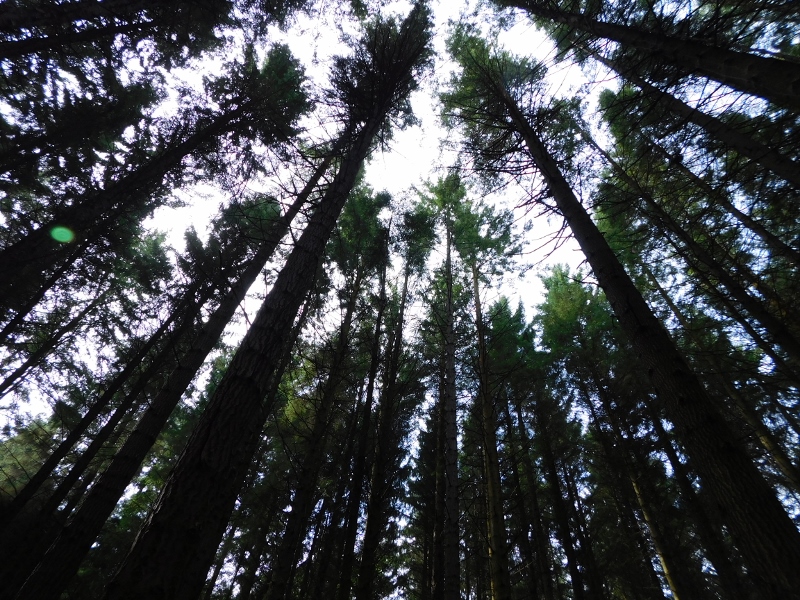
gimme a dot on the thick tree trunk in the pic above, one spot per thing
(767, 538)
(774, 79)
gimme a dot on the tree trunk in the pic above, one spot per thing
(522, 534)
(560, 512)
(778, 248)
(14, 49)
(451, 566)
(767, 538)
(360, 468)
(541, 537)
(287, 554)
(746, 410)
(496, 529)
(28, 262)
(75, 434)
(48, 346)
(387, 440)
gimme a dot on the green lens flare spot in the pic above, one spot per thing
(62, 234)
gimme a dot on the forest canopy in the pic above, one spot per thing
(341, 382)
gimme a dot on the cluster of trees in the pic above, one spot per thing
(389, 425)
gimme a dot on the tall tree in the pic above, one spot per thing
(488, 100)
(173, 548)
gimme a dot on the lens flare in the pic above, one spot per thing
(62, 234)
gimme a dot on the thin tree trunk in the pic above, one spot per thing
(560, 513)
(585, 550)
(496, 530)
(22, 311)
(541, 537)
(746, 410)
(730, 579)
(774, 79)
(777, 246)
(28, 262)
(285, 559)
(617, 472)
(75, 434)
(57, 15)
(451, 566)
(380, 495)
(222, 555)
(49, 345)
(360, 468)
(523, 532)
(57, 42)
(745, 145)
